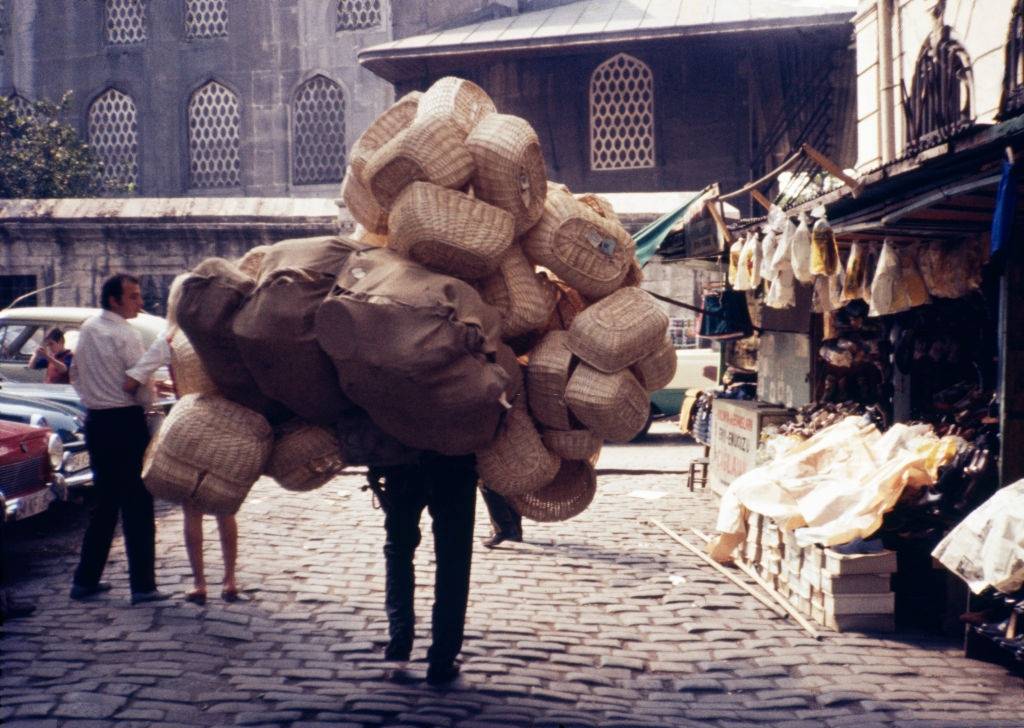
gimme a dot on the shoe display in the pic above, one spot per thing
(151, 596)
(80, 592)
(442, 674)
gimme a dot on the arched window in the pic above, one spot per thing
(125, 21)
(214, 120)
(206, 19)
(358, 14)
(113, 134)
(1013, 77)
(318, 132)
(622, 114)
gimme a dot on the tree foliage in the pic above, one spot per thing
(41, 155)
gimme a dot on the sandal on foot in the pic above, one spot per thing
(230, 595)
(196, 596)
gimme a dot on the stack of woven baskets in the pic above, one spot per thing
(444, 180)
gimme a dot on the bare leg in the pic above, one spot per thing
(228, 528)
(194, 547)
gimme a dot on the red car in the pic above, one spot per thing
(28, 482)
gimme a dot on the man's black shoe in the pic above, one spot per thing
(150, 596)
(80, 592)
(397, 651)
(442, 674)
(500, 537)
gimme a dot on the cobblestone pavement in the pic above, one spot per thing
(601, 620)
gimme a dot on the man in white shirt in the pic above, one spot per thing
(116, 436)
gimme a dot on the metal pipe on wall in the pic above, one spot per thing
(886, 109)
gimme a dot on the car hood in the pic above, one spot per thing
(63, 394)
(66, 421)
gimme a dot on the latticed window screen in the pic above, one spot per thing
(206, 18)
(622, 114)
(114, 135)
(318, 139)
(125, 21)
(214, 119)
(356, 14)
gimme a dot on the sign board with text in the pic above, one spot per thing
(735, 432)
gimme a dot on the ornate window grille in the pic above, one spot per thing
(206, 19)
(941, 97)
(358, 14)
(125, 21)
(114, 135)
(318, 136)
(214, 120)
(1013, 78)
(622, 114)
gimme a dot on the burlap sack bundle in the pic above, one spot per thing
(547, 375)
(362, 442)
(656, 369)
(416, 350)
(211, 297)
(209, 452)
(590, 253)
(304, 457)
(250, 263)
(274, 329)
(362, 205)
(187, 368)
(613, 406)
(516, 461)
(568, 495)
(507, 360)
(525, 298)
(457, 99)
(430, 150)
(382, 130)
(619, 330)
(572, 444)
(510, 171)
(449, 231)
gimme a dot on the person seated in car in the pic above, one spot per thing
(54, 357)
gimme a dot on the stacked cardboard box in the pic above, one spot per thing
(840, 591)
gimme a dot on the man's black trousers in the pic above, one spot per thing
(117, 440)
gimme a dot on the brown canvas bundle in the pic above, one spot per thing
(274, 329)
(416, 350)
(210, 299)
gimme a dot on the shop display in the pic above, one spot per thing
(801, 251)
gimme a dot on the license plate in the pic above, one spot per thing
(77, 461)
(30, 505)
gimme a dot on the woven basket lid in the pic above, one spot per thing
(304, 457)
(572, 444)
(449, 231)
(432, 149)
(457, 99)
(510, 171)
(547, 375)
(249, 263)
(656, 369)
(361, 204)
(187, 368)
(590, 253)
(568, 495)
(618, 330)
(382, 130)
(524, 297)
(614, 406)
(517, 461)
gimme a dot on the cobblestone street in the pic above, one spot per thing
(602, 620)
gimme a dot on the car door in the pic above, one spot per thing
(18, 341)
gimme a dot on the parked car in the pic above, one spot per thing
(696, 369)
(28, 480)
(22, 331)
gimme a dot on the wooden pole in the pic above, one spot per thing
(832, 168)
(761, 199)
(712, 208)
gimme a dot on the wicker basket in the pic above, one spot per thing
(600, 205)
(590, 253)
(187, 368)
(656, 370)
(431, 150)
(362, 205)
(362, 235)
(457, 99)
(249, 263)
(614, 406)
(382, 130)
(547, 375)
(524, 297)
(510, 171)
(566, 496)
(517, 461)
(635, 274)
(209, 453)
(304, 457)
(568, 305)
(619, 330)
(449, 231)
(572, 444)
